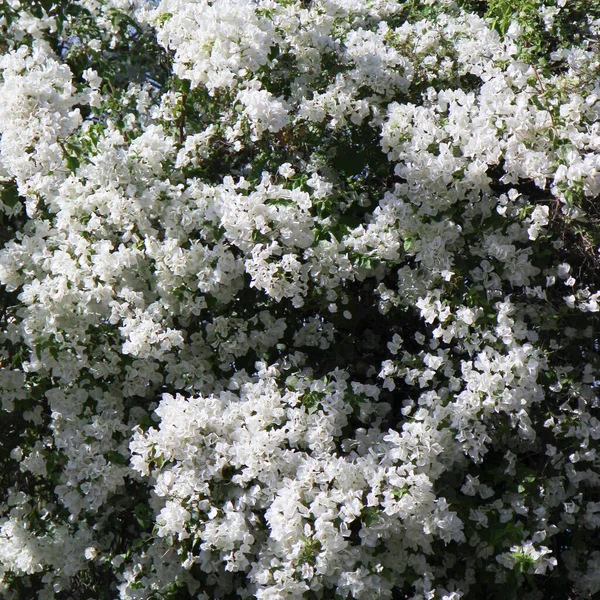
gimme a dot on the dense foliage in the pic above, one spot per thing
(299, 299)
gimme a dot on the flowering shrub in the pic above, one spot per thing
(299, 299)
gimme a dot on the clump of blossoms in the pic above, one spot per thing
(299, 299)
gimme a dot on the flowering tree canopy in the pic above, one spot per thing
(299, 299)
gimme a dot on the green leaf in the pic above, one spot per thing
(163, 18)
(399, 492)
(369, 514)
(10, 196)
(72, 163)
(116, 458)
(143, 516)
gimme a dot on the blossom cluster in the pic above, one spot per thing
(299, 300)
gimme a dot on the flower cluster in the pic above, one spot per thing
(299, 299)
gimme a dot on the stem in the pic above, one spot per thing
(181, 123)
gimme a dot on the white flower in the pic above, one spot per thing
(263, 111)
(532, 560)
(286, 170)
(539, 218)
(172, 519)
